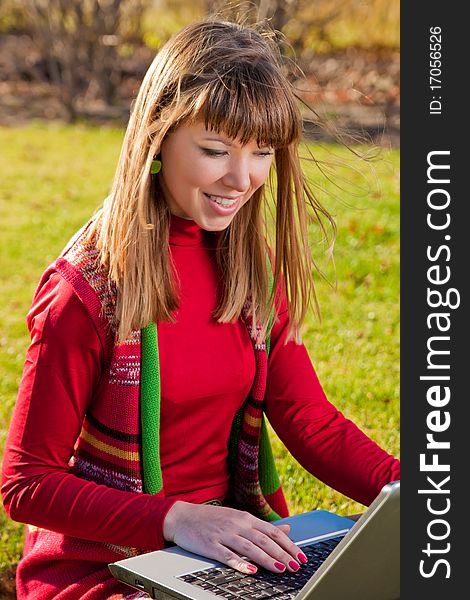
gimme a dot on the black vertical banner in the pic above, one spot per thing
(435, 258)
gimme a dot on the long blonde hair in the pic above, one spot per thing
(231, 77)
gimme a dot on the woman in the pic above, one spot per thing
(127, 435)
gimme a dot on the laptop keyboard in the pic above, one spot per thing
(226, 582)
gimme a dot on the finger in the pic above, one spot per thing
(262, 550)
(285, 527)
(280, 537)
(233, 560)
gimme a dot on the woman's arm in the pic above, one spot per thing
(324, 442)
(62, 368)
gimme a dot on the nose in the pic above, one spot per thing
(238, 175)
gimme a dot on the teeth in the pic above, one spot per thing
(222, 201)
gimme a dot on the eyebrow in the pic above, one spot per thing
(225, 141)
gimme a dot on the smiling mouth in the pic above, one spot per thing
(222, 200)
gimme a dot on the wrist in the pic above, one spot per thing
(170, 520)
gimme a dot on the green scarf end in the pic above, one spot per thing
(150, 411)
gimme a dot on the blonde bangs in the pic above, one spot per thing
(245, 106)
(246, 103)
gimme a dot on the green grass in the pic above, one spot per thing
(355, 347)
(53, 177)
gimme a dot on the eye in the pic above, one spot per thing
(212, 152)
(265, 153)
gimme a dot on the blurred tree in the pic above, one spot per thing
(278, 12)
(166, 17)
(319, 24)
(79, 44)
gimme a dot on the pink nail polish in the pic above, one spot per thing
(293, 565)
(279, 566)
(251, 568)
(302, 558)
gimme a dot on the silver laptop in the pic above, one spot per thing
(347, 561)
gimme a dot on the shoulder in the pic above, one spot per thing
(57, 312)
(76, 284)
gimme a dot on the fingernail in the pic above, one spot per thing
(279, 566)
(302, 558)
(251, 568)
(293, 565)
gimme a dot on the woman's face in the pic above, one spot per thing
(208, 177)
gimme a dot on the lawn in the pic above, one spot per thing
(53, 177)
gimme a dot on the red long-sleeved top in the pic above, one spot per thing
(207, 370)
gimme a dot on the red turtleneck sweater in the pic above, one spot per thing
(207, 370)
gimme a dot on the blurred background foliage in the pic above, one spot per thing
(87, 50)
(314, 24)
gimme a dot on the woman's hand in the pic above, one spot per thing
(231, 536)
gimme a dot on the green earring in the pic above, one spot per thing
(156, 167)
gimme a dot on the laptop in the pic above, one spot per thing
(348, 560)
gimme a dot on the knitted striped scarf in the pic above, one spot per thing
(119, 441)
